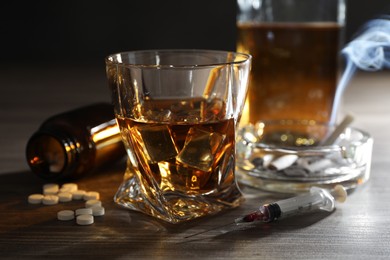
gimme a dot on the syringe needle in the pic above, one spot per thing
(245, 220)
(214, 228)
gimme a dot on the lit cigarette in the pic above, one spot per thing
(339, 129)
(283, 162)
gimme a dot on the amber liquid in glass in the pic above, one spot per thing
(294, 70)
(181, 145)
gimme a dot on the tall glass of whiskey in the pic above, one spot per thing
(177, 111)
(295, 47)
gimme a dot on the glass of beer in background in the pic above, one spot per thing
(295, 47)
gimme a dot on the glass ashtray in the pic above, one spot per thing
(291, 157)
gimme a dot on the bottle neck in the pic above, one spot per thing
(52, 155)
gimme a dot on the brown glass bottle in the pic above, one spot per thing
(73, 144)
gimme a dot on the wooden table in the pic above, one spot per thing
(358, 229)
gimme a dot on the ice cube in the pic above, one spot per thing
(183, 106)
(157, 142)
(192, 179)
(186, 111)
(158, 116)
(200, 148)
(213, 109)
(164, 116)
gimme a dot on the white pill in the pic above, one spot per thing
(78, 194)
(84, 220)
(64, 196)
(35, 198)
(91, 195)
(90, 203)
(69, 187)
(283, 162)
(97, 210)
(50, 192)
(50, 185)
(65, 215)
(50, 199)
(50, 188)
(84, 211)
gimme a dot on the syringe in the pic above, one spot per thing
(317, 198)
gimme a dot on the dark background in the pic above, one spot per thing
(87, 31)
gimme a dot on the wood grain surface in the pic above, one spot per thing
(357, 229)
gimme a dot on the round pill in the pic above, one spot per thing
(78, 194)
(97, 210)
(50, 199)
(84, 211)
(64, 196)
(91, 195)
(90, 203)
(69, 187)
(51, 185)
(35, 198)
(50, 188)
(65, 215)
(84, 220)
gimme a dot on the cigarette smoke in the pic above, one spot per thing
(369, 51)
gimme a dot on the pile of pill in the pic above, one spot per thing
(53, 194)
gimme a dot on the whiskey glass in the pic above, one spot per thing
(178, 111)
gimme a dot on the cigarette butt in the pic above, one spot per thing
(283, 162)
(318, 165)
(261, 161)
(267, 159)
